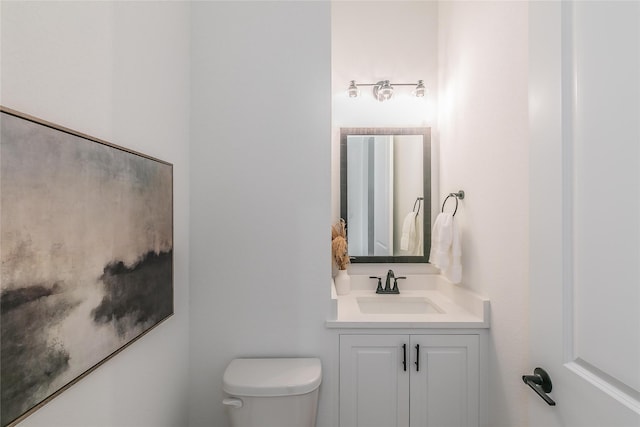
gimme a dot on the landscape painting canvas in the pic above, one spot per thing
(87, 256)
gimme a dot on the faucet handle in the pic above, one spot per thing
(395, 283)
(379, 288)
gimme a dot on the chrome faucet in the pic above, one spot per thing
(387, 284)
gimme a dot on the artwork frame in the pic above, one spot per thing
(86, 243)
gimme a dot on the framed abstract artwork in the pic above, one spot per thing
(86, 244)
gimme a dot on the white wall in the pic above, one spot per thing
(483, 126)
(119, 72)
(260, 215)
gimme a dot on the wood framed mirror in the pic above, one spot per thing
(385, 193)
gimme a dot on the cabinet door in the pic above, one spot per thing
(374, 387)
(445, 383)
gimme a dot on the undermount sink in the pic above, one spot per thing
(392, 304)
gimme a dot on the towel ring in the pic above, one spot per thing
(457, 196)
(418, 200)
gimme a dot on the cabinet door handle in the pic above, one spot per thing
(404, 357)
(417, 357)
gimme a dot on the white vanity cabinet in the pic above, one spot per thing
(416, 380)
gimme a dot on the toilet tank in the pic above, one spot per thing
(280, 392)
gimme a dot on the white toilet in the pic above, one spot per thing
(272, 392)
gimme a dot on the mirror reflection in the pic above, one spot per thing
(385, 193)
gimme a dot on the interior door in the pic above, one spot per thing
(358, 194)
(585, 212)
(383, 196)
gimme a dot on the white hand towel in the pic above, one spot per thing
(441, 239)
(408, 239)
(419, 249)
(446, 250)
(454, 271)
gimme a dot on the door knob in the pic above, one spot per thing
(540, 382)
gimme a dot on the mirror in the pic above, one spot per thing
(385, 193)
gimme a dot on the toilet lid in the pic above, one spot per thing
(272, 377)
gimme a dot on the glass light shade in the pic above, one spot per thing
(420, 90)
(383, 91)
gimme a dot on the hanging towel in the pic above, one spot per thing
(409, 232)
(441, 237)
(445, 247)
(454, 271)
(419, 249)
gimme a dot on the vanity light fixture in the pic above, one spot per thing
(383, 90)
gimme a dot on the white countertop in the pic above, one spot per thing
(459, 308)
